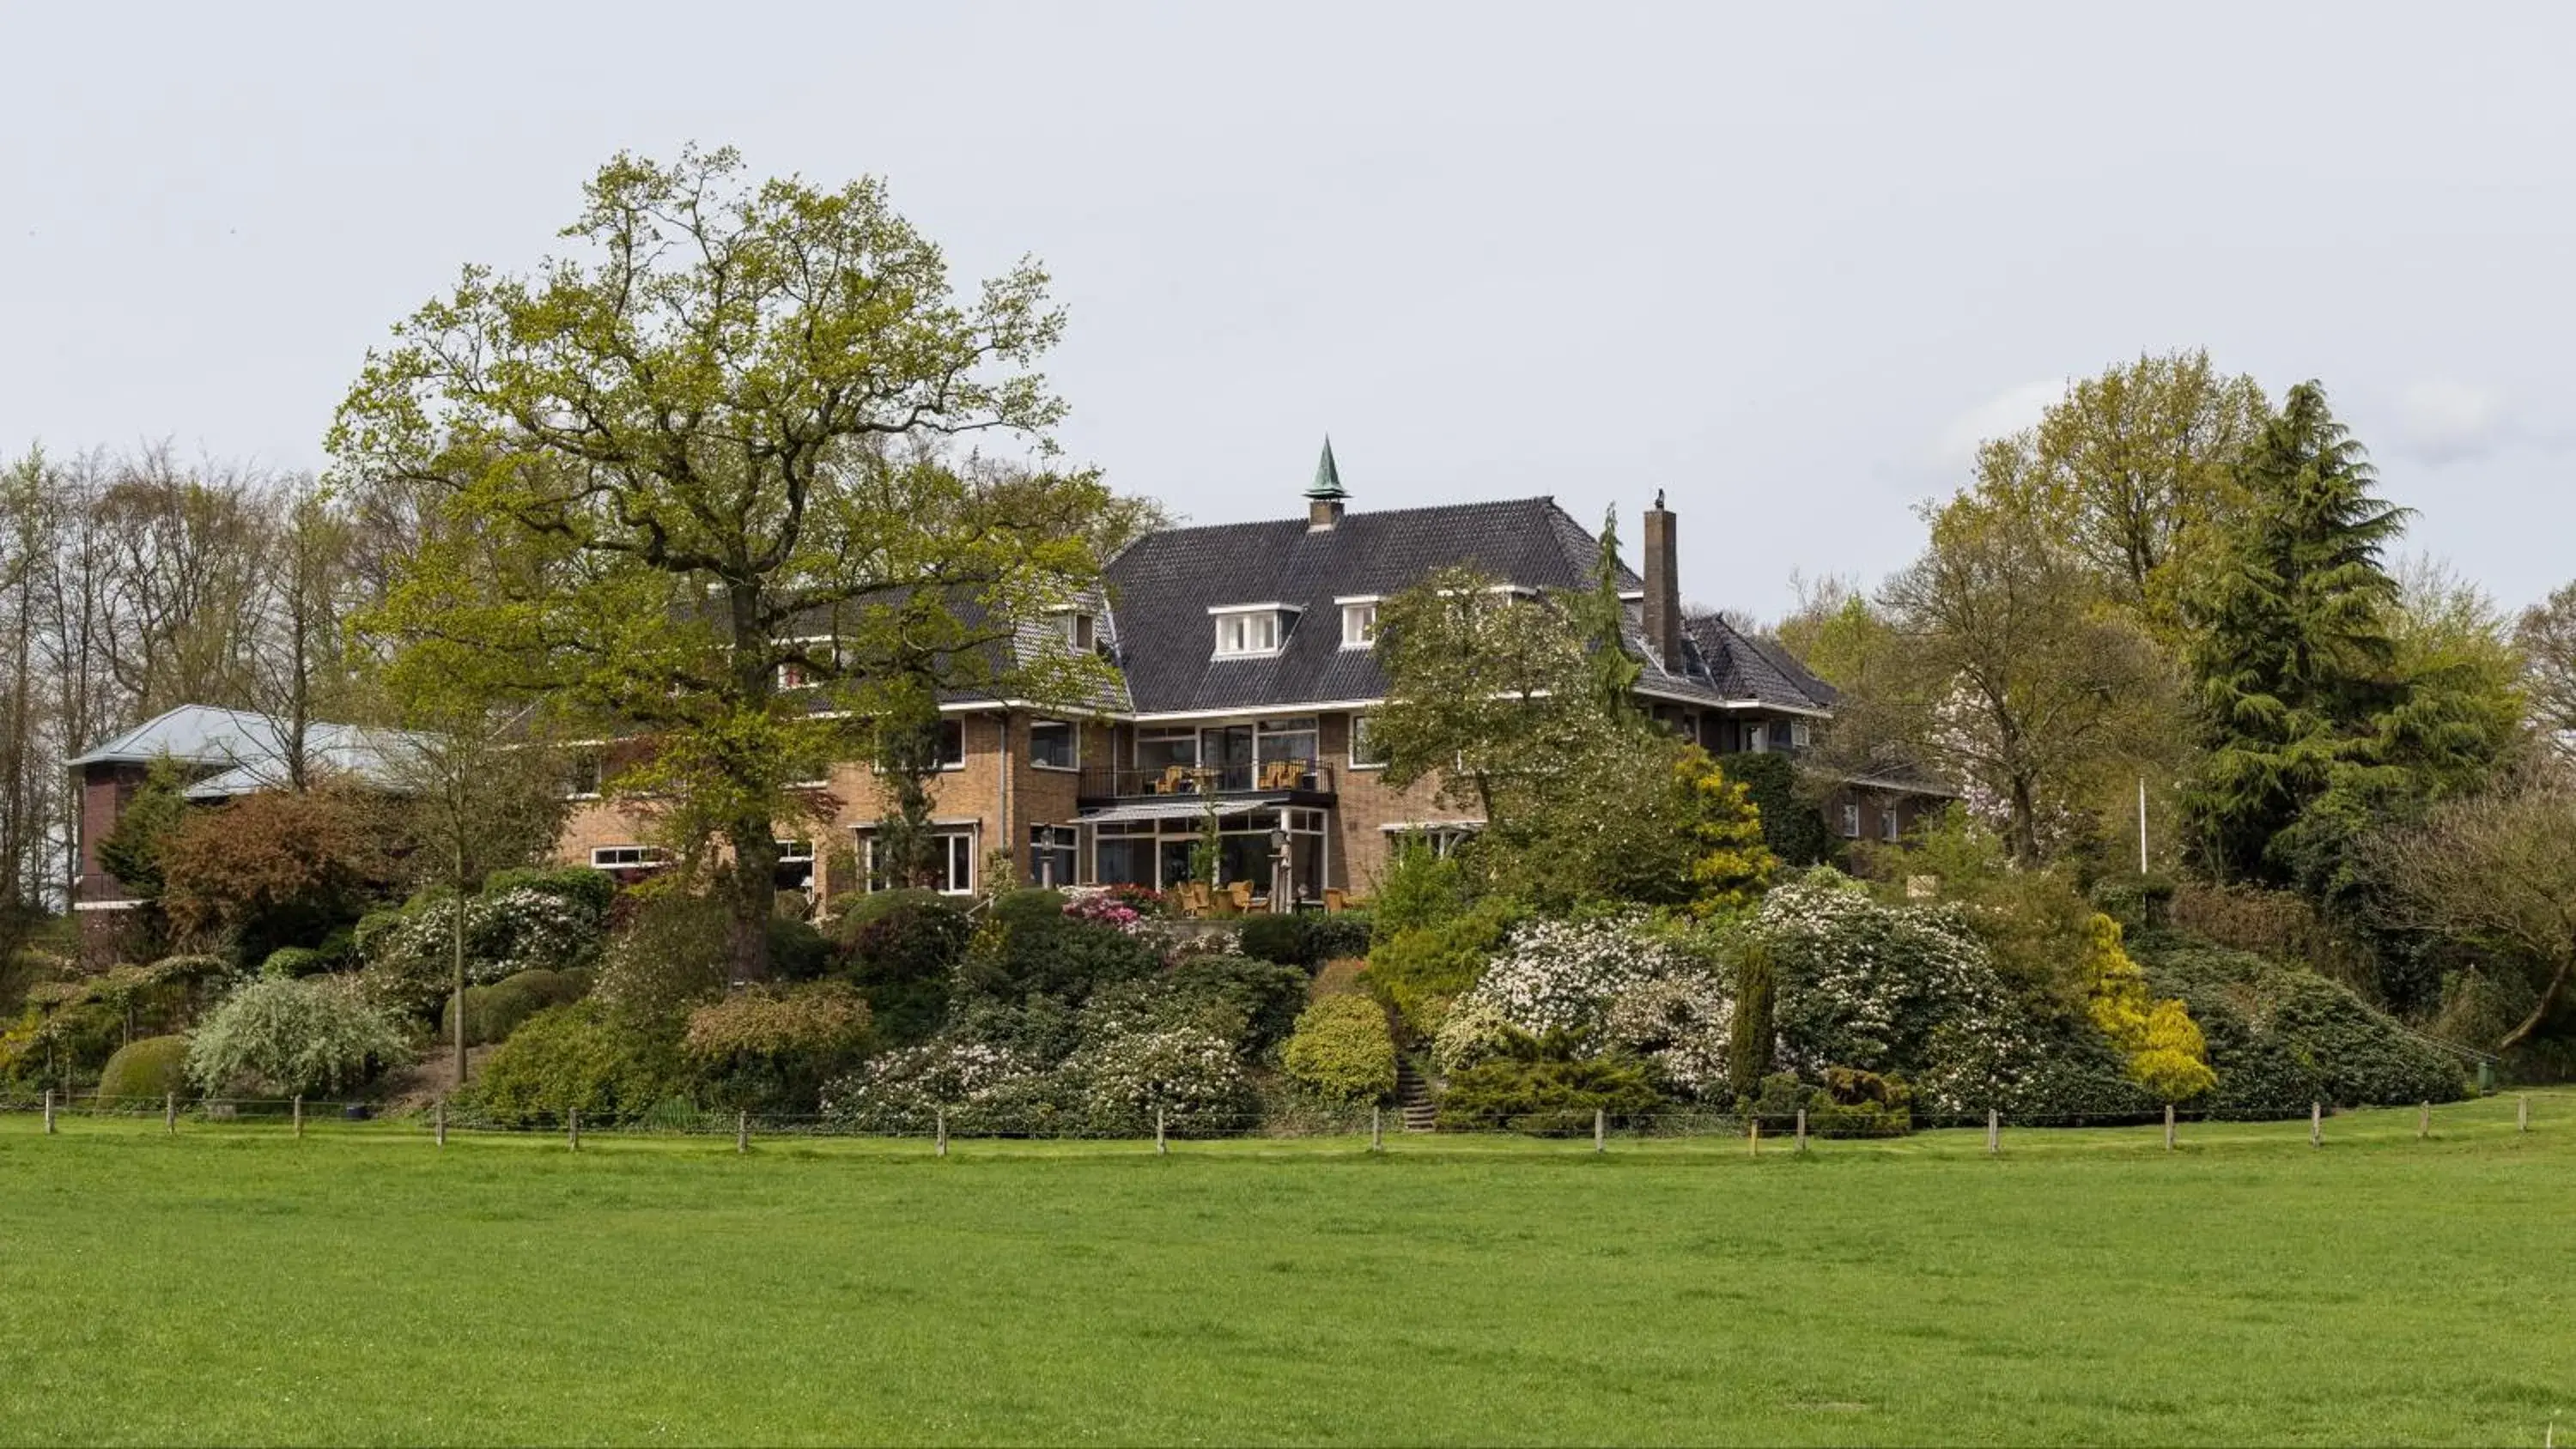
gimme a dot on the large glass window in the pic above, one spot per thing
(1055, 744)
(952, 744)
(1160, 749)
(1359, 625)
(1158, 853)
(952, 863)
(1366, 753)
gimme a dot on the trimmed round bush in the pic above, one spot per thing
(1342, 1051)
(148, 1068)
(293, 961)
(570, 1058)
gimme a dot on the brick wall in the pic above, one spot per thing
(1367, 806)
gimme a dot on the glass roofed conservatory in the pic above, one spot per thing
(1152, 844)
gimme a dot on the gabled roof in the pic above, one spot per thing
(1743, 667)
(245, 751)
(1163, 586)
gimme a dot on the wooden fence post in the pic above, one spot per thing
(1753, 1136)
(940, 1125)
(572, 1125)
(442, 1121)
(1377, 1131)
(1994, 1133)
(1802, 1129)
(2522, 1113)
(2169, 1145)
(49, 1111)
(1160, 1146)
(299, 1114)
(170, 1113)
(2423, 1121)
(1600, 1130)
(742, 1131)
(2316, 1124)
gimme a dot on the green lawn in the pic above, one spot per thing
(233, 1284)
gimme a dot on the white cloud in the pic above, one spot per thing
(2002, 415)
(2447, 422)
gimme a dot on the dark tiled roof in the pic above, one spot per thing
(1743, 667)
(1164, 585)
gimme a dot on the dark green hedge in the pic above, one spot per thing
(2281, 1037)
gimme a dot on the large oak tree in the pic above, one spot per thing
(696, 478)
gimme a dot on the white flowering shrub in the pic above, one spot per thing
(1473, 1031)
(406, 958)
(1904, 991)
(1561, 976)
(1680, 1025)
(1190, 1073)
(980, 1086)
(291, 1036)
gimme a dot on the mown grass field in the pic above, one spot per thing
(233, 1284)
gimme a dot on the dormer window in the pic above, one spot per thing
(1359, 622)
(1077, 629)
(1251, 629)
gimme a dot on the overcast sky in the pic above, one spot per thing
(1786, 262)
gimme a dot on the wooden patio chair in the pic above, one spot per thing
(1334, 901)
(1240, 892)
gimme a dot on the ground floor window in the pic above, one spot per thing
(951, 869)
(795, 865)
(1051, 853)
(1887, 823)
(1441, 840)
(627, 857)
(1250, 846)
(1851, 822)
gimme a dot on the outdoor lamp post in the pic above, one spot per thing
(1283, 876)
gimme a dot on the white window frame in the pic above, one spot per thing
(1801, 734)
(1851, 820)
(795, 852)
(1360, 761)
(1359, 623)
(646, 857)
(958, 842)
(1251, 631)
(1073, 729)
(946, 722)
(1757, 738)
(1887, 822)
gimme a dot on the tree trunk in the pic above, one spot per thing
(456, 959)
(754, 892)
(2539, 1011)
(2025, 828)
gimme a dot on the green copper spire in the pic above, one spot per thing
(1328, 479)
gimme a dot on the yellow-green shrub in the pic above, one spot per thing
(2166, 1052)
(1341, 1050)
(146, 1068)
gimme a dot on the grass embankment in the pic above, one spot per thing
(234, 1284)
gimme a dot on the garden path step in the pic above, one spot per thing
(1412, 1098)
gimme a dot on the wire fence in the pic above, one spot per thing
(1158, 1127)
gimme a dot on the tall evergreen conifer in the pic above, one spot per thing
(2293, 658)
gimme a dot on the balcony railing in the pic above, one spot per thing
(1305, 777)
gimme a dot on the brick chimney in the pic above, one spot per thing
(1663, 587)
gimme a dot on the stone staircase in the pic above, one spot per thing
(1412, 1097)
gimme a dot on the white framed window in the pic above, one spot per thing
(1055, 744)
(1079, 631)
(1887, 823)
(1851, 821)
(1365, 751)
(952, 744)
(1442, 839)
(1757, 737)
(1801, 734)
(792, 675)
(1252, 631)
(628, 857)
(1359, 624)
(952, 862)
